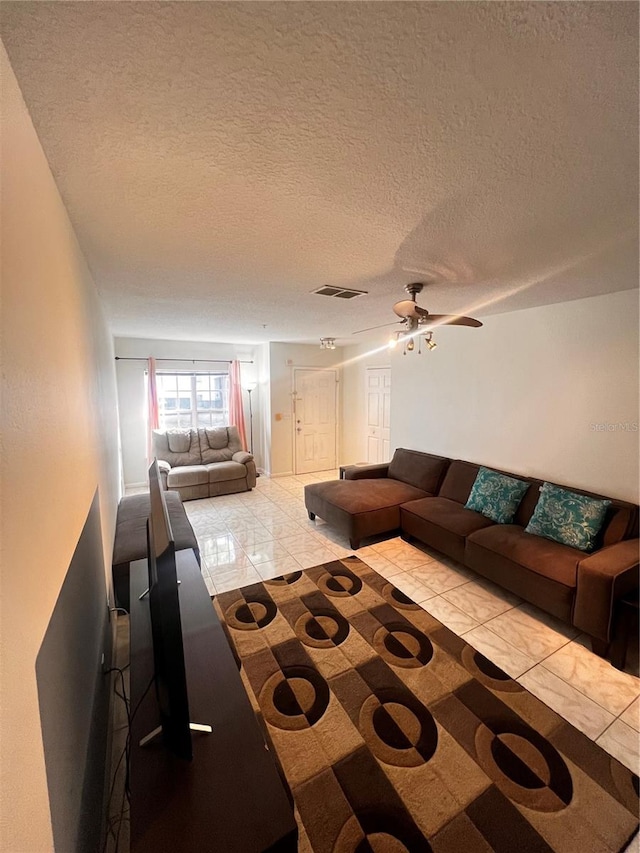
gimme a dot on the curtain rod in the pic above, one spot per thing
(189, 360)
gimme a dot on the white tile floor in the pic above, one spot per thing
(260, 534)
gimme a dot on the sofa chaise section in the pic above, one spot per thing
(367, 502)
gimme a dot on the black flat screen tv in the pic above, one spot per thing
(166, 624)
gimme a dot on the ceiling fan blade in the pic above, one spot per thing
(449, 320)
(408, 308)
(371, 328)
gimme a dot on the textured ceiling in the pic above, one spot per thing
(221, 160)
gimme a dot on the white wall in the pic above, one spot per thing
(131, 391)
(59, 443)
(283, 358)
(523, 392)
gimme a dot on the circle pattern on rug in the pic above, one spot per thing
(339, 584)
(384, 833)
(399, 732)
(487, 673)
(322, 628)
(524, 765)
(396, 598)
(251, 614)
(284, 580)
(401, 644)
(294, 698)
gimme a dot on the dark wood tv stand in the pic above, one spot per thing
(230, 798)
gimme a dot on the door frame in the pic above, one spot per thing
(336, 371)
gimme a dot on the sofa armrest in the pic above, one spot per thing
(242, 456)
(603, 578)
(366, 472)
(163, 468)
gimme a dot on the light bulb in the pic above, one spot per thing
(393, 343)
(410, 345)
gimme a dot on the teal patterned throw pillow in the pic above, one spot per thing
(496, 496)
(567, 517)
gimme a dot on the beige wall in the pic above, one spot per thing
(283, 358)
(59, 443)
(131, 390)
(524, 392)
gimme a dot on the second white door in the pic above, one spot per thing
(315, 420)
(378, 414)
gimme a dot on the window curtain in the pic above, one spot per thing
(153, 420)
(236, 407)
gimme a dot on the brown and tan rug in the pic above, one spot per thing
(395, 735)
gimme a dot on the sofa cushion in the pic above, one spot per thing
(214, 445)
(217, 437)
(458, 481)
(221, 471)
(234, 439)
(187, 475)
(422, 470)
(356, 496)
(566, 517)
(179, 440)
(441, 523)
(448, 515)
(496, 496)
(162, 447)
(543, 556)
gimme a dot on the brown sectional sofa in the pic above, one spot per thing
(579, 588)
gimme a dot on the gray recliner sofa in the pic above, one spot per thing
(203, 463)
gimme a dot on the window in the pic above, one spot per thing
(192, 400)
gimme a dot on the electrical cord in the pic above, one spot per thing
(120, 816)
(128, 744)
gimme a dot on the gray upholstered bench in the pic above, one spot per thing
(130, 541)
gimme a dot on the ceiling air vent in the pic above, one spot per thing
(339, 292)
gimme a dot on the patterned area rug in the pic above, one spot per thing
(395, 735)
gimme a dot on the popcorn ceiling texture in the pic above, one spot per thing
(221, 160)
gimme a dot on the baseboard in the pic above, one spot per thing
(142, 485)
(282, 474)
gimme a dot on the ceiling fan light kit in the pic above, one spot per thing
(327, 343)
(409, 342)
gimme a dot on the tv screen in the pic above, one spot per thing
(166, 625)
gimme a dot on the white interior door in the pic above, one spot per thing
(315, 420)
(378, 414)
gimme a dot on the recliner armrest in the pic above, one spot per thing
(242, 456)
(366, 472)
(603, 578)
(163, 468)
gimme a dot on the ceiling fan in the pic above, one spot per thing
(414, 318)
